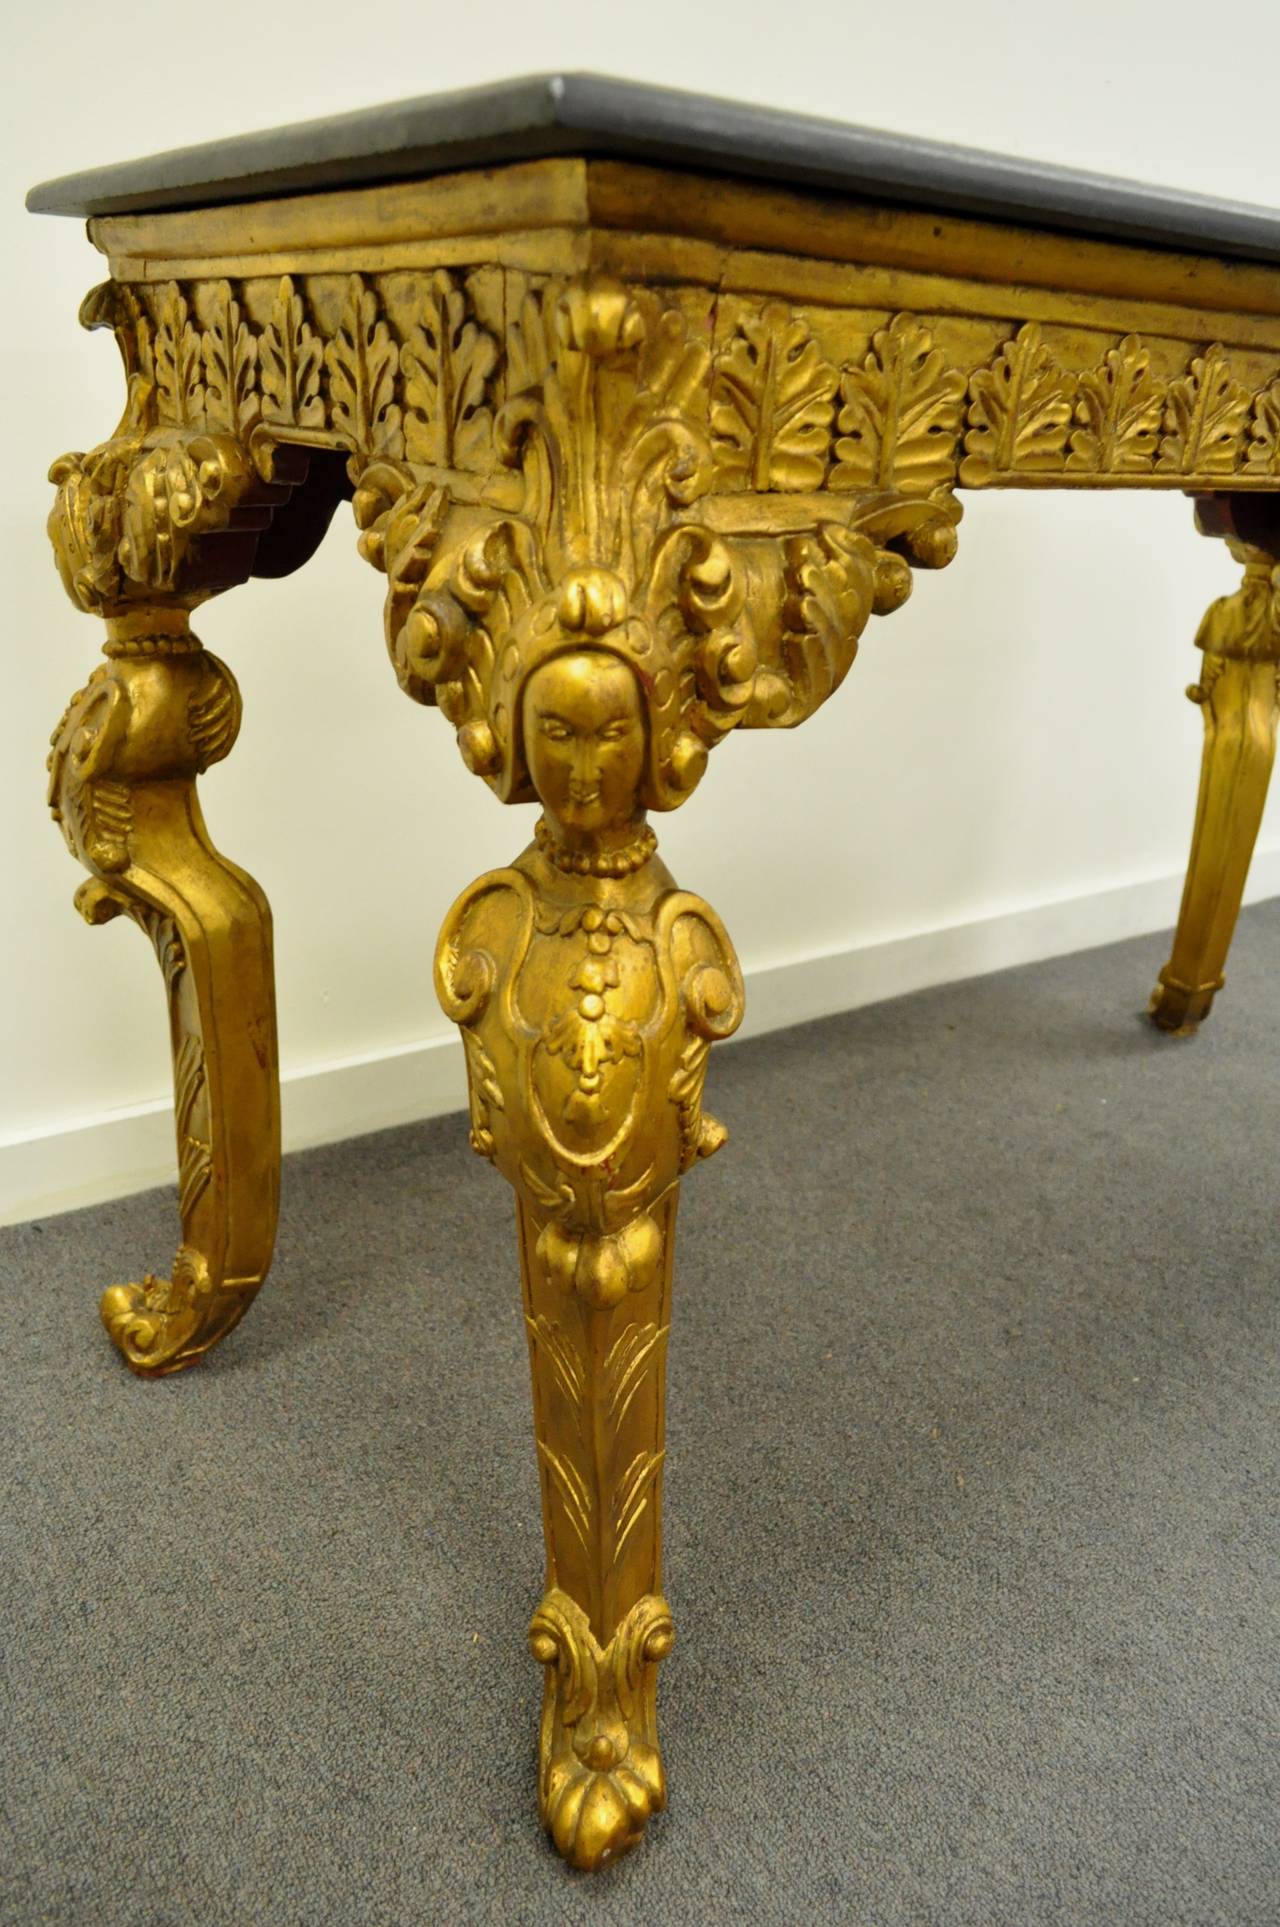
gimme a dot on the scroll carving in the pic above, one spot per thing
(144, 528)
(726, 625)
(130, 514)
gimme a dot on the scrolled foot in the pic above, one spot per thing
(601, 1775)
(165, 1324)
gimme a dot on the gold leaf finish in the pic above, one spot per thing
(601, 1775)
(178, 361)
(1263, 456)
(230, 365)
(638, 470)
(448, 362)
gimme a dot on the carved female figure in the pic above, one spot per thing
(589, 990)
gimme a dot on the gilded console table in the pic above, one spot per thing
(644, 405)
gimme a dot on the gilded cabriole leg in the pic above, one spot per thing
(1239, 695)
(594, 605)
(588, 1004)
(123, 768)
(144, 528)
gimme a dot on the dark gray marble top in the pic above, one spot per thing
(588, 114)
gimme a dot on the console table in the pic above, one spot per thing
(644, 404)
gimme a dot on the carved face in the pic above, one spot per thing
(584, 740)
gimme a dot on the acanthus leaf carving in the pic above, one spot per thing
(901, 413)
(291, 356)
(230, 353)
(772, 398)
(411, 375)
(363, 362)
(1119, 408)
(1019, 411)
(1263, 454)
(1205, 414)
(448, 360)
(178, 360)
(616, 550)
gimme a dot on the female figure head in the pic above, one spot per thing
(584, 744)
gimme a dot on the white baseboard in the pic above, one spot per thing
(119, 1152)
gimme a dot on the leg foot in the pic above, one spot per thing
(600, 1772)
(1239, 694)
(165, 1324)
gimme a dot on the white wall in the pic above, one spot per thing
(1011, 761)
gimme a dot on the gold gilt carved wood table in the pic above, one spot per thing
(644, 405)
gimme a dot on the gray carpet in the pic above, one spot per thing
(971, 1496)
